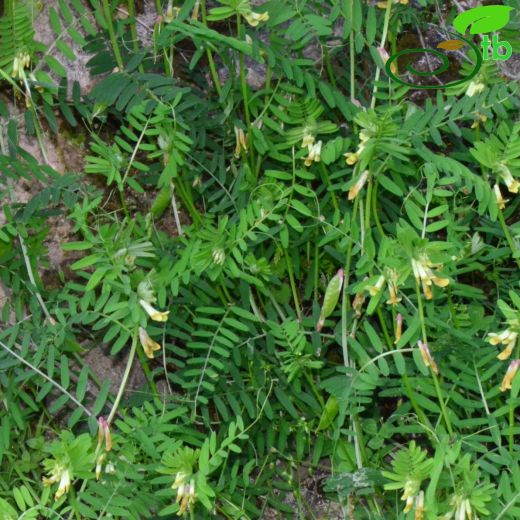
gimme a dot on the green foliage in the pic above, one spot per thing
(305, 270)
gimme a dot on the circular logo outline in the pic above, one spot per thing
(439, 70)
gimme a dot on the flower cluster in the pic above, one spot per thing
(508, 338)
(58, 473)
(20, 63)
(413, 495)
(313, 147)
(423, 272)
(185, 491)
(390, 278)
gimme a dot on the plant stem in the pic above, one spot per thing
(509, 238)
(383, 42)
(107, 13)
(375, 212)
(434, 376)
(245, 95)
(133, 30)
(209, 54)
(124, 381)
(352, 57)
(293, 285)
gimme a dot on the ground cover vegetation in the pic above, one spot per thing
(312, 269)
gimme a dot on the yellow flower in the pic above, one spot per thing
(241, 141)
(171, 12)
(154, 313)
(510, 375)
(351, 158)
(307, 140)
(500, 199)
(99, 464)
(61, 474)
(314, 153)
(185, 491)
(480, 119)
(383, 5)
(383, 53)
(374, 289)
(148, 344)
(253, 19)
(409, 495)
(357, 303)
(507, 338)
(354, 191)
(392, 289)
(427, 357)
(475, 87)
(422, 270)
(507, 177)
(419, 506)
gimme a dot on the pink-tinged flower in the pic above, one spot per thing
(148, 344)
(104, 434)
(154, 313)
(427, 357)
(507, 382)
(399, 328)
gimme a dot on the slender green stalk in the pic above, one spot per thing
(434, 376)
(124, 380)
(293, 285)
(107, 13)
(375, 212)
(368, 205)
(245, 94)
(345, 301)
(327, 184)
(209, 54)
(382, 44)
(133, 30)
(352, 57)
(509, 238)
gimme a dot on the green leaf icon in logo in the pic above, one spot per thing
(483, 20)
